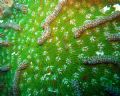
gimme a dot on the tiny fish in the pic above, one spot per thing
(1, 35)
(5, 43)
(21, 7)
(5, 68)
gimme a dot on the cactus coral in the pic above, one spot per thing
(54, 57)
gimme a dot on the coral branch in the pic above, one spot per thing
(113, 37)
(95, 23)
(106, 59)
(49, 20)
(10, 25)
(45, 36)
(54, 14)
(15, 88)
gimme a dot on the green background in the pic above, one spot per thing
(53, 65)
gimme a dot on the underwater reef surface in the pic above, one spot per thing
(59, 47)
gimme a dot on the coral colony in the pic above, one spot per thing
(77, 54)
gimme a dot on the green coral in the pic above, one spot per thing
(55, 64)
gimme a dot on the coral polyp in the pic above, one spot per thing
(59, 47)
